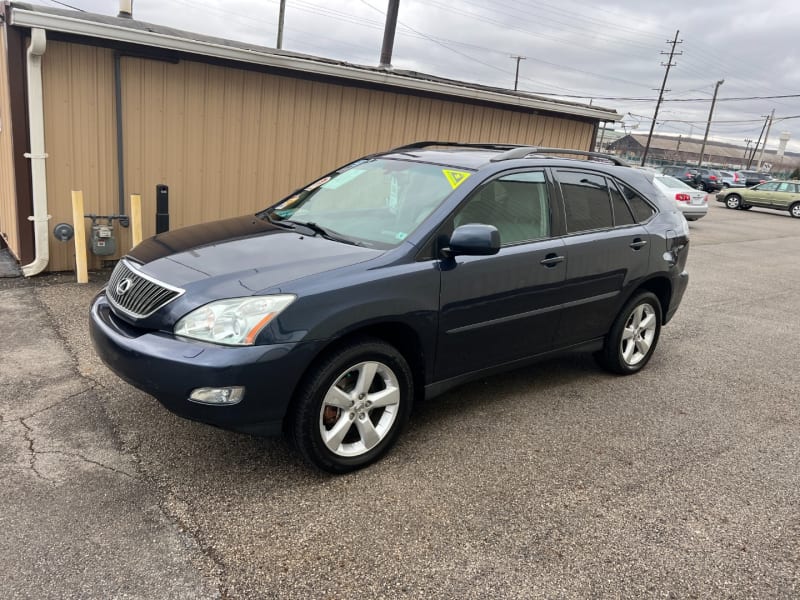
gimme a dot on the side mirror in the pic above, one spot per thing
(473, 239)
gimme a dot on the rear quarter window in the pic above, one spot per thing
(641, 208)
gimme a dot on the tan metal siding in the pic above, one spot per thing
(228, 141)
(79, 138)
(8, 193)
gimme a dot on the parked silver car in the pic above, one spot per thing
(732, 179)
(693, 203)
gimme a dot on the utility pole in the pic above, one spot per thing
(766, 135)
(388, 33)
(708, 125)
(602, 135)
(281, 15)
(516, 76)
(669, 64)
(678, 149)
(758, 141)
(747, 142)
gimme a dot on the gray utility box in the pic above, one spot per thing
(103, 241)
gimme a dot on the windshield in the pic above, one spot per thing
(374, 202)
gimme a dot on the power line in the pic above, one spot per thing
(67, 5)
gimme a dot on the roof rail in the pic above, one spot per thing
(525, 151)
(426, 144)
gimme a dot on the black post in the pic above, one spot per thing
(162, 208)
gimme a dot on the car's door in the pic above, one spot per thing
(762, 194)
(497, 309)
(784, 195)
(607, 249)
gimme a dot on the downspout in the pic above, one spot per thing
(37, 154)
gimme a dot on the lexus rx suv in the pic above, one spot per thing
(388, 281)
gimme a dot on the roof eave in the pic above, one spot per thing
(64, 24)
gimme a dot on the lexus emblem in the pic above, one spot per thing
(123, 286)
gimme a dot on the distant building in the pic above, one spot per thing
(684, 150)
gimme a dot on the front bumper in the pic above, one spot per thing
(169, 368)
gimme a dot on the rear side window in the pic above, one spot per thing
(642, 211)
(586, 201)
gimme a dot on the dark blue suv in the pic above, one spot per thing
(390, 280)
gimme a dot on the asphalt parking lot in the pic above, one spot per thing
(557, 481)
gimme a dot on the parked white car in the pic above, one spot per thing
(693, 203)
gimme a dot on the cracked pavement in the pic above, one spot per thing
(555, 481)
(78, 518)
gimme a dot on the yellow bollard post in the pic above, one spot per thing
(81, 269)
(136, 219)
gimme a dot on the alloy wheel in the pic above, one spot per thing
(733, 201)
(359, 409)
(638, 334)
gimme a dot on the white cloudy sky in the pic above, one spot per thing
(609, 52)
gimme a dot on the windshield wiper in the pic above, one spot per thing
(282, 223)
(326, 233)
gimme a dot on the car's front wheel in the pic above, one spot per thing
(352, 406)
(794, 210)
(633, 336)
(733, 201)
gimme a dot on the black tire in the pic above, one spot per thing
(700, 186)
(733, 201)
(794, 210)
(613, 355)
(355, 417)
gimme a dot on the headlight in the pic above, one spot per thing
(233, 322)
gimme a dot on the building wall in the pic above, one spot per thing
(8, 193)
(229, 141)
(80, 139)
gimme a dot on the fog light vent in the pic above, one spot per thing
(217, 396)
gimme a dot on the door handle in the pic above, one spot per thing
(638, 243)
(551, 260)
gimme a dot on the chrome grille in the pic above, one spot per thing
(136, 294)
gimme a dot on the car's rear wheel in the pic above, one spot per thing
(700, 186)
(633, 336)
(353, 406)
(733, 201)
(794, 210)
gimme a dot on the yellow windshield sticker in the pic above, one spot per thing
(456, 178)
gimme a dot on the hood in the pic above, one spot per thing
(253, 253)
